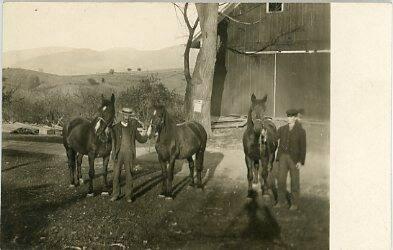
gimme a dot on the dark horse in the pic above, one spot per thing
(260, 144)
(84, 137)
(177, 142)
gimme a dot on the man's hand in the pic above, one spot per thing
(149, 131)
(298, 165)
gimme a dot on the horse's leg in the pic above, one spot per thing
(250, 166)
(170, 177)
(272, 184)
(264, 174)
(163, 165)
(71, 154)
(105, 162)
(91, 174)
(79, 159)
(255, 172)
(199, 167)
(191, 166)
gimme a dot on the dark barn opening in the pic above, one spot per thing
(220, 70)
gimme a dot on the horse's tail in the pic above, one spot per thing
(65, 134)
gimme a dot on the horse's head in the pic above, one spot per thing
(106, 114)
(157, 120)
(257, 112)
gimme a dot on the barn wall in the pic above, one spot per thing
(303, 81)
(247, 74)
(309, 22)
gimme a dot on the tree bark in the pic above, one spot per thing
(187, 74)
(202, 78)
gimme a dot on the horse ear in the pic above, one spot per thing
(264, 99)
(253, 98)
(113, 98)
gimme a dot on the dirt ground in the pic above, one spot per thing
(39, 210)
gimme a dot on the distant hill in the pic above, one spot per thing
(73, 61)
(31, 81)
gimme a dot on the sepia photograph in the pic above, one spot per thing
(162, 125)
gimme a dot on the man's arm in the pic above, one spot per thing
(302, 145)
(113, 137)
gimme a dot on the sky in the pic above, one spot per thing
(98, 26)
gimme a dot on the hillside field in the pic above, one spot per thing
(26, 81)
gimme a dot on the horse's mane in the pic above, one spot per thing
(167, 118)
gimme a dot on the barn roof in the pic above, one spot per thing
(224, 8)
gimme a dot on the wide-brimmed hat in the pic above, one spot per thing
(127, 111)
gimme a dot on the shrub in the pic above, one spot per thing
(147, 93)
(92, 81)
(48, 108)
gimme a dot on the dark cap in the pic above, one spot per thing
(292, 112)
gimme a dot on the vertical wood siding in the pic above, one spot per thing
(310, 73)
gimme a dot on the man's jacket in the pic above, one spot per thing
(292, 142)
(116, 133)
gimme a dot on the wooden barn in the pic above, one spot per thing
(278, 49)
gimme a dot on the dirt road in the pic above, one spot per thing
(39, 209)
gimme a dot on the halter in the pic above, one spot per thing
(105, 123)
(264, 134)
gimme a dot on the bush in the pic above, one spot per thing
(92, 81)
(44, 108)
(147, 93)
(111, 71)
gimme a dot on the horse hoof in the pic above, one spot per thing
(255, 185)
(71, 186)
(80, 181)
(192, 184)
(90, 194)
(169, 198)
(104, 193)
(130, 200)
(161, 196)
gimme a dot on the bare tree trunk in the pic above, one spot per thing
(202, 78)
(187, 74)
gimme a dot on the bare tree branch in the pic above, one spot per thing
(272, 42)
(237, 21)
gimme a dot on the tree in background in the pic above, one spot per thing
(187, 73)
(111, 71)
(202, 78)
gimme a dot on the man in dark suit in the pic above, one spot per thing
(124, 135)
(291, 156)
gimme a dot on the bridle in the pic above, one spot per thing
(263, 136)
(106, 124)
